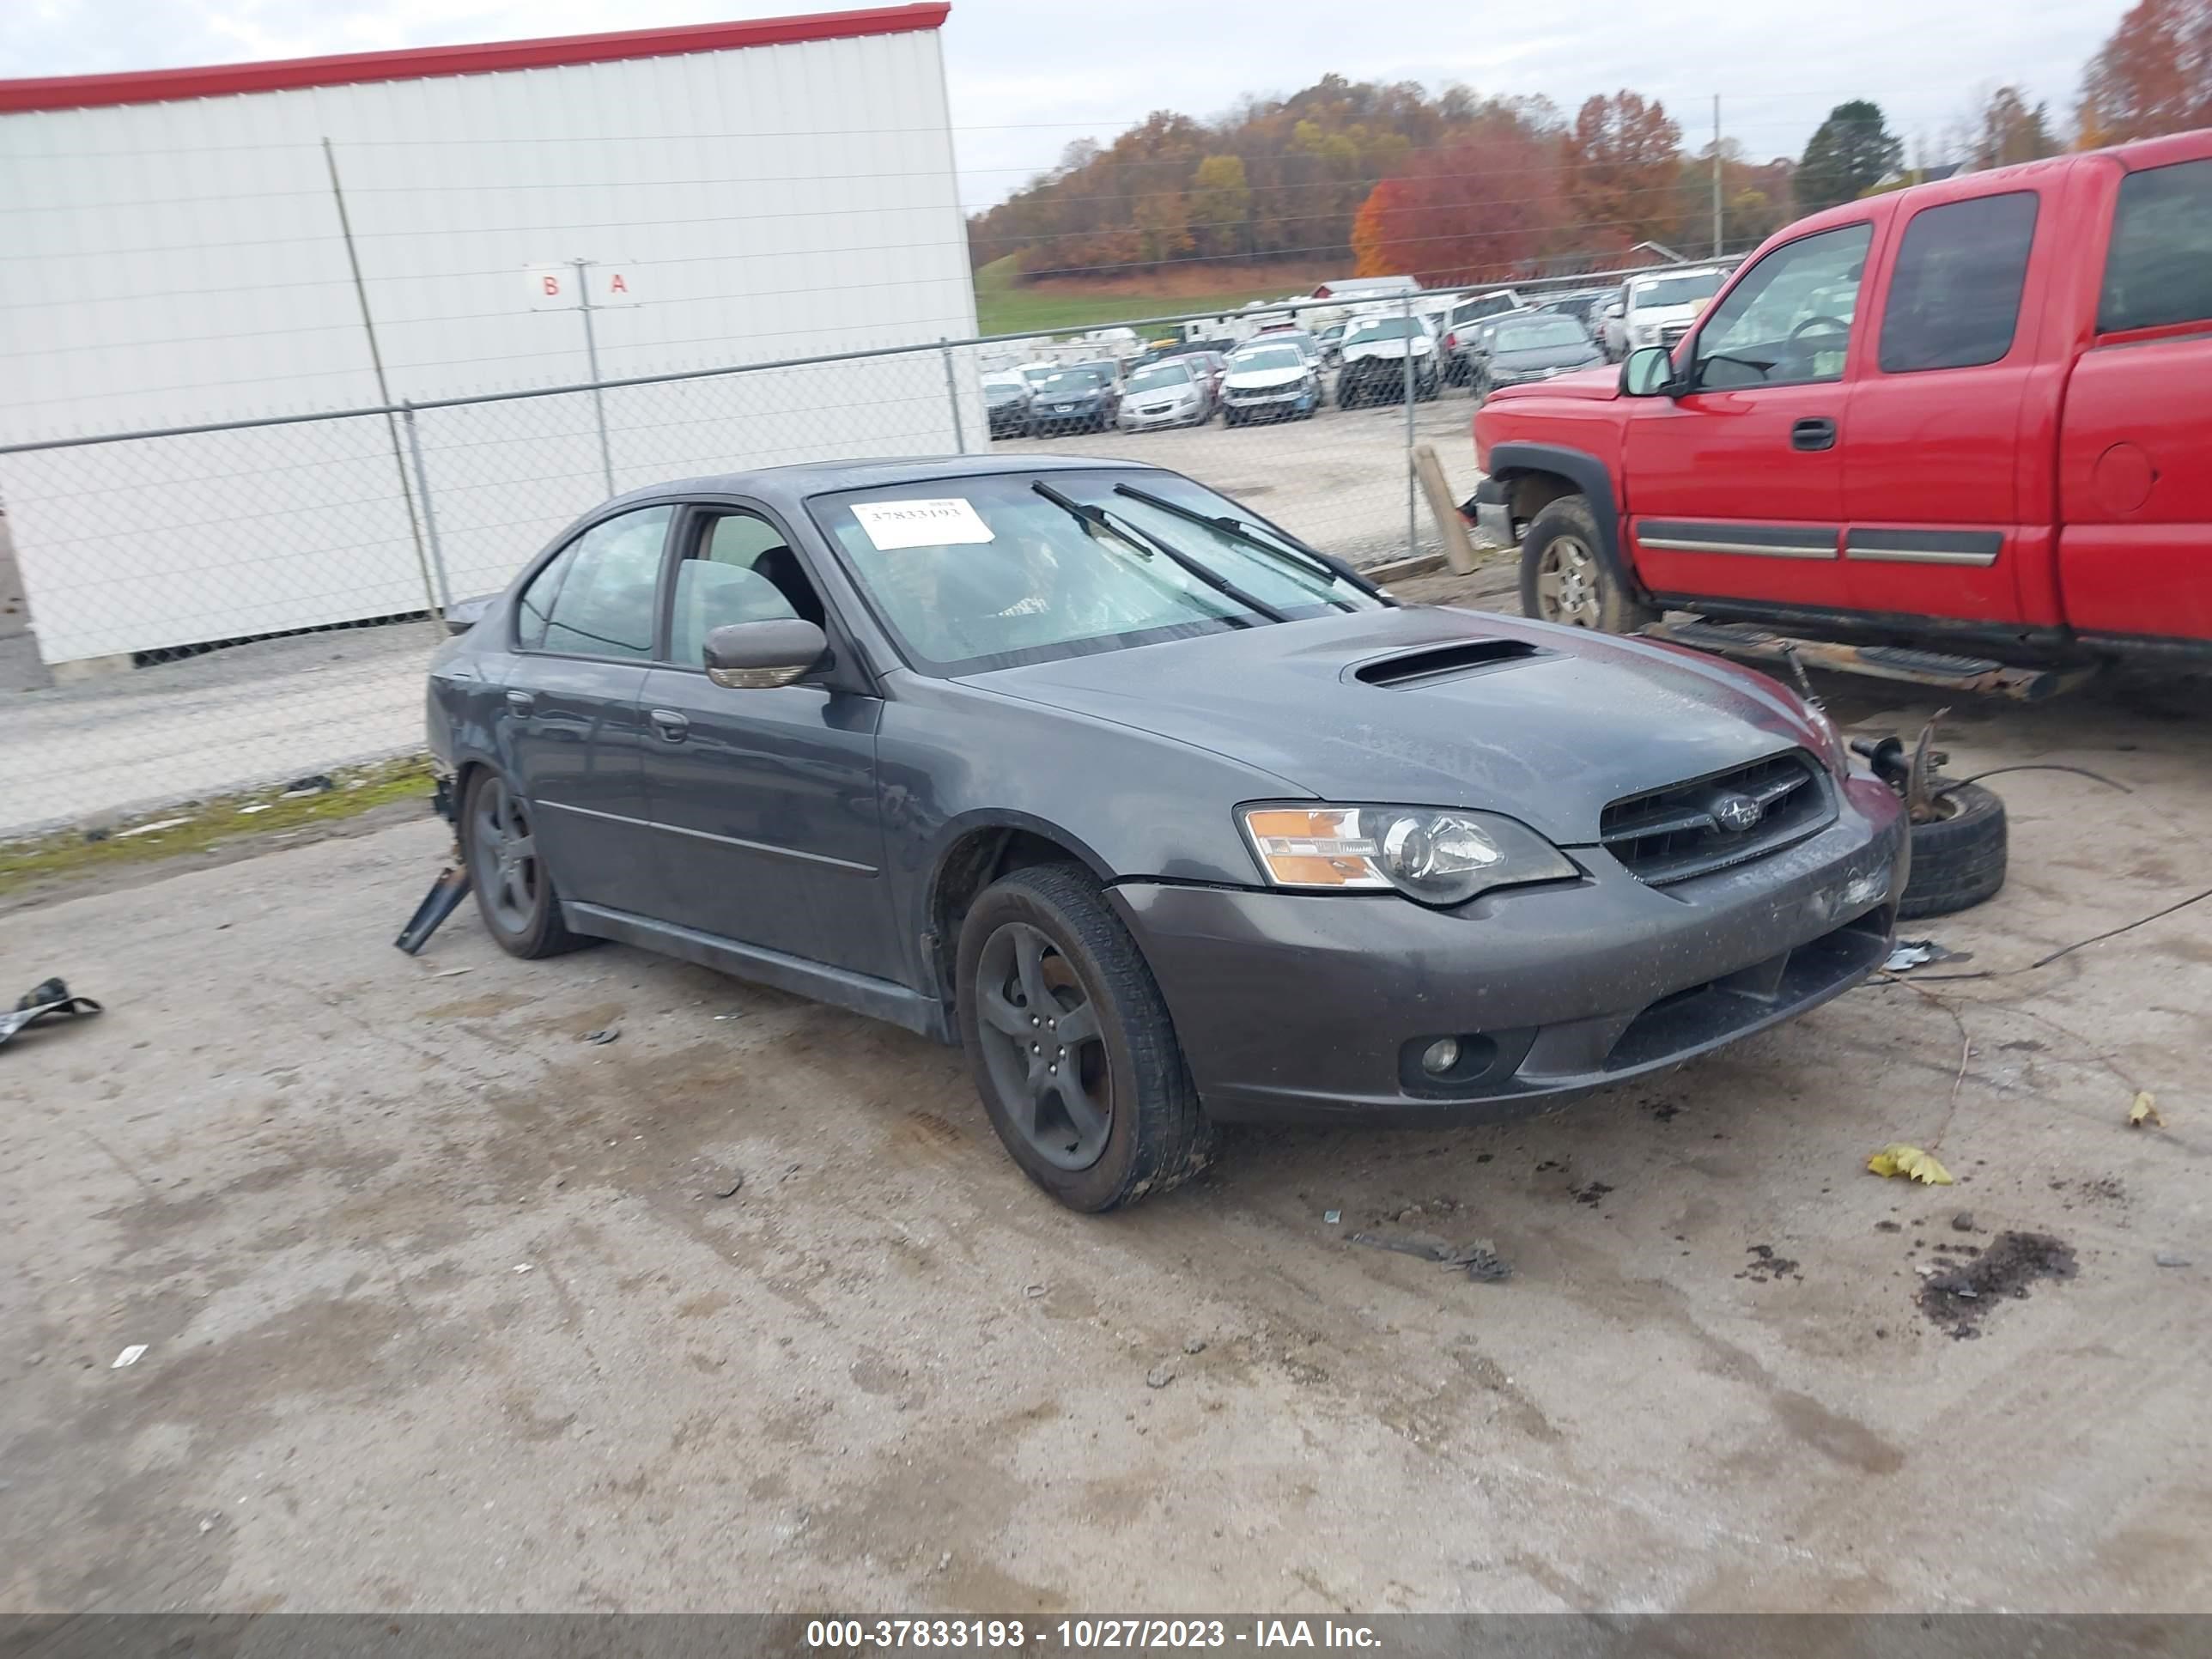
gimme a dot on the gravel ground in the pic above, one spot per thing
(445, 1308)
(281, 708)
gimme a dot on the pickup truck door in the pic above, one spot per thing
(2135, 494)
(1736, 486)
(1938, 521)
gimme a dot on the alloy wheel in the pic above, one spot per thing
(1044, 1045)
(504, 855)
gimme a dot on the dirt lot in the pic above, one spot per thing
(443, 1307)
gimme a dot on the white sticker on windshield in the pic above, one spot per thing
(950, 522)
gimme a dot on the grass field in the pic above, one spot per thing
(1002, 306)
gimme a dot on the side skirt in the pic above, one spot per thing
(879, 999)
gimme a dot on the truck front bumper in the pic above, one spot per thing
(1493, 514)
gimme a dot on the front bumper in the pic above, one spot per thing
(1296, 1007)
(1493, 514)
(1136, 420)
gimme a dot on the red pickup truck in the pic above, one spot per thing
(1972, 418)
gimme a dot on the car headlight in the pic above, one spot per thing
(1438, 855)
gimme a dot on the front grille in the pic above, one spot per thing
(1673, 834)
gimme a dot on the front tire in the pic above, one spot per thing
(514, 886)
(1072, 1049)
(1564, 580)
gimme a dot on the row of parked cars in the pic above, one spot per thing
(1481, 341)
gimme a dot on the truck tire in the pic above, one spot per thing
(1958, 859)
(1564, 580)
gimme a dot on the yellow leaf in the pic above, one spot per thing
(1900, 1159)
(2145, 1108)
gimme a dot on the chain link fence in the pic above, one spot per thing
(224, 607)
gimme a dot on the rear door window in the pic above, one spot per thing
(2160, 269)
(604, 606)
(1955, 298)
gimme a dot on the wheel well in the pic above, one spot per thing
(1528, 494)
(973, 862)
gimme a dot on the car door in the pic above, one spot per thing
(1735, 485)
(767, 826)
(2135, 551)
(572, 725)
(1935, 523)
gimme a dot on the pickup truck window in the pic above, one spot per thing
(1788, 321)
(1954, 297)
(2160, 269)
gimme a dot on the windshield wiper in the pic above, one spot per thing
(1306, 558)
(1100, 517)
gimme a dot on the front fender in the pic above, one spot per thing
(1594, 479)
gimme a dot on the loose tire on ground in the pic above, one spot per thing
(1958, 860)
(1155, 1136)
(513, 885)
(1564, 580)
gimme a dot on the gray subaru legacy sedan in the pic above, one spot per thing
(1165, 817)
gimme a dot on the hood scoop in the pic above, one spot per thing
(1431, 664)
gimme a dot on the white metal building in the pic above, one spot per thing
(178, 247)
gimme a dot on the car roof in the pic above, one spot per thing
(801, 479)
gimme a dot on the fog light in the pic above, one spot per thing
(1440, 1056)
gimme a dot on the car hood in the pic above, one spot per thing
(1648, 316)
(1145, 394)
(1601, 383)
(1263, 380)
(1389, 350)
(1536, 357)
(1559, 723)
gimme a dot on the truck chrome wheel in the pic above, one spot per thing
(1567, 579)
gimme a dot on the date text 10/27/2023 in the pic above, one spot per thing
(1086, 1635)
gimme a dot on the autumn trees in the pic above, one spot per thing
(2153, 76)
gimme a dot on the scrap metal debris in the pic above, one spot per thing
(1911, 953)
(2145, 1110)
(603, 1037)
(49, 999)
(129, 1356)
(444, 897)
(1479, 1257)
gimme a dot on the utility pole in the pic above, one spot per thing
(1717, 175)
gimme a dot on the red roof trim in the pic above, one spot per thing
(350, 69)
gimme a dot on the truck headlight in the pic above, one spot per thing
(1436, 856)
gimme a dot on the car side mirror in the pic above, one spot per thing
(754, 656)
(1648, 372)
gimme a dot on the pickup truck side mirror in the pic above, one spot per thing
(758, 656)
(1648, 372)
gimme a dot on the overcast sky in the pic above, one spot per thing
(1029, 76)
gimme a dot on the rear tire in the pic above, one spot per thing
(1563, 578)
(513, 885)
(1959, 861)
(1042, 944)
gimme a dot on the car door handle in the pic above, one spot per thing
(521, 702)
(1816, 432)
(670, 725)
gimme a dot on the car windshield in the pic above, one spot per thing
(1382, 328)
(1158, 377)
(981, 572)
(1535, 333)
(1000, 392)
(1675, 290)
(1069, 381)
(1266, 357)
